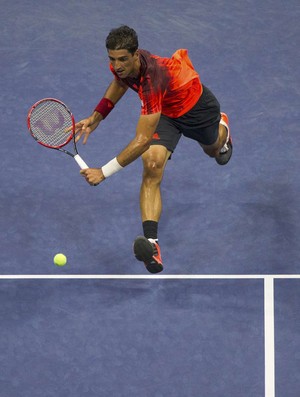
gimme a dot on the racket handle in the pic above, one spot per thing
(80, 162)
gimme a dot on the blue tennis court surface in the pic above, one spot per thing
(146, 337)
(131, 338)
(287, 325)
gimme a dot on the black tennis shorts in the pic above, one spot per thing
(201, 123)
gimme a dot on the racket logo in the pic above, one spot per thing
(49, 125)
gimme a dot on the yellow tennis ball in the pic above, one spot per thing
(60, 260)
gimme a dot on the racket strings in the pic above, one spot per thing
(48, 123)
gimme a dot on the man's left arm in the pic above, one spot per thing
(145, 129)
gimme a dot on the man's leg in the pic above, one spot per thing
(154, 161)
(221, 149)
(146, 248)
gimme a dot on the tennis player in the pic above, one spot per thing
(174, 102)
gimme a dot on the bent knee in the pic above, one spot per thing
(210, 151)
(154, 161)
(153, 167)
(214, 149)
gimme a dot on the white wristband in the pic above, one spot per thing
(111, 168)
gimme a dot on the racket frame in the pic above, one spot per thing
(33, 107)
(75, 155)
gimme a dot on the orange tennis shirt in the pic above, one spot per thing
(167, 85)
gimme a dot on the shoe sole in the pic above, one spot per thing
(225, 157)
(143, 251)
(154, 268)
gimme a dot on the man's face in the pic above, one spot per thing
(124, 63)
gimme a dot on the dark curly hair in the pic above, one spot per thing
(122, 38)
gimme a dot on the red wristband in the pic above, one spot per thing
(104, 107)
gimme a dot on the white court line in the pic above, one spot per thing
(146, 276)
(269, 336)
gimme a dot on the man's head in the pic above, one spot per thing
(122, 47)
(122, 38)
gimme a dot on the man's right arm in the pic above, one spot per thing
(115, 91)
(85, 127)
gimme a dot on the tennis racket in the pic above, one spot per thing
(52, 125)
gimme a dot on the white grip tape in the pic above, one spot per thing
(80, 162)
